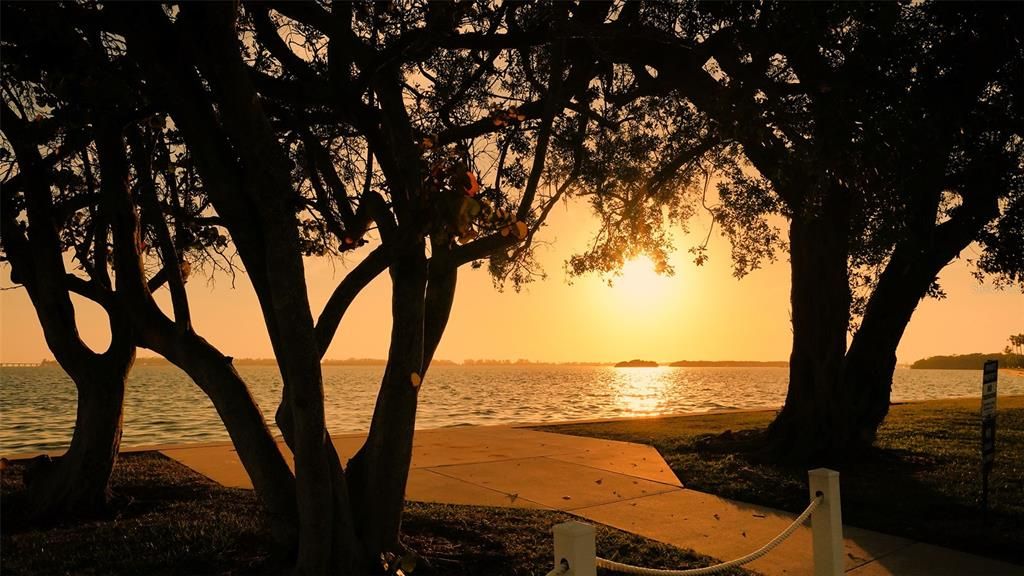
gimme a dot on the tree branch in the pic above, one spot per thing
(330, 318)
(141, 158)
(266, 34)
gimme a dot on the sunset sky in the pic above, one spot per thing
(700, 313)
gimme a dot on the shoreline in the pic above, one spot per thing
(18, 456)
(726, 411)
(924, 452)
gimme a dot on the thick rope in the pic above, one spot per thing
(628, 569)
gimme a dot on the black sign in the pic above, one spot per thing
(988, 413)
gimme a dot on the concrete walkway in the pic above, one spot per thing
(627, 486)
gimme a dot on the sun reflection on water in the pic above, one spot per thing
(641, 390)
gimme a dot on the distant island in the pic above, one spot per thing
(729, 364)
(974, 361)
(636, 364)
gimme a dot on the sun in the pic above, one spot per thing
(641, 315)
(640, 285)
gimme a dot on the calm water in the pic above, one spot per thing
(37, 405)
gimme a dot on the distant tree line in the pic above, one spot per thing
(1016, 345)
(974, 361)
(730, 364)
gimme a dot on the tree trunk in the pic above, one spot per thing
(915, 264)
(440, 297)
(248, 178)
(813, 423)
(217, 378)
(263, 461)
(379, 471)
(871, 360)
(77, 483)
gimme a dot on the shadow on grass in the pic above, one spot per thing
(165, 519)
(175, 521)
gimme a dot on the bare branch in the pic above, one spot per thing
(330, 318)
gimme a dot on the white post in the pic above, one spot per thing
(827, 523)
(574, 544)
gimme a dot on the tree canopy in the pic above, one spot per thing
(312, 130)
(150, 142)
(889, 137)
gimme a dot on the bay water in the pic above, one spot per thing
(163, 406)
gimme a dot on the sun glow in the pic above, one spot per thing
(641, 311)
(640, 285)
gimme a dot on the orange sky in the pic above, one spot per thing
(700, 313)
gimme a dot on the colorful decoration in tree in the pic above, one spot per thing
(463, 207)
(505, 117)
(354, 238)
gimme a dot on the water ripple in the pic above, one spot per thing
(37, 405)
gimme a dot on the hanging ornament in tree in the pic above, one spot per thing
(463, 208)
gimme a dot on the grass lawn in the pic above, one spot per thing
(174, 521)
(922, 480)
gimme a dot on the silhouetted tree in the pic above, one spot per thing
(887, 135)
(50, 77)
(369, 117)
(77, 483)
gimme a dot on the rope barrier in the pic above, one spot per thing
(629, 569)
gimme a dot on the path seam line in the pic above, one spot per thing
(496, 491)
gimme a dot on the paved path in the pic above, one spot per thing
(628, 486)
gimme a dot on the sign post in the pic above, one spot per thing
(989, 383)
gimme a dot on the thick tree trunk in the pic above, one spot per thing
(262, 222)
(915, 264)
(871, 360)
(176, 340)
(813, 423)
(248, 178)
(77, 483)
(379, 471)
